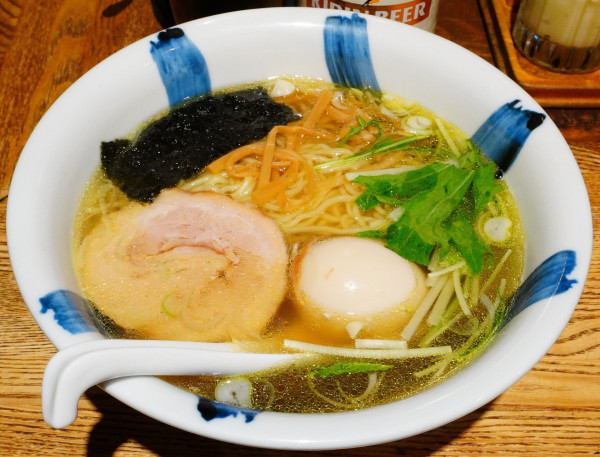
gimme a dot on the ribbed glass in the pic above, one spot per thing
(560, 35)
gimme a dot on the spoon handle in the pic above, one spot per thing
(75, 369)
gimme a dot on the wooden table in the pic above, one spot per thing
(45, 45)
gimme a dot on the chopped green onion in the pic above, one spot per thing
(163, 305)
(234, 391)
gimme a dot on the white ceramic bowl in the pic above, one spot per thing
(126, 89)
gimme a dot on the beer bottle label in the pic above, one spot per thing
(421, 13)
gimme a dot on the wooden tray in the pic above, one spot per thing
(550, 89)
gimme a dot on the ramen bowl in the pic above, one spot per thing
(235, 48)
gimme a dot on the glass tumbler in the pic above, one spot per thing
(559, 35)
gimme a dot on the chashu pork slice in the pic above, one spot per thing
(190, 266)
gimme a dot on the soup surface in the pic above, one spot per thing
(362, 229)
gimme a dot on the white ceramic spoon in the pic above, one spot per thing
(75, 369)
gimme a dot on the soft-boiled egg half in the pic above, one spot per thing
(356, 286)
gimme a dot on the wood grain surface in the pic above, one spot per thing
(45, 45)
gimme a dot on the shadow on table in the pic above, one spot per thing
(121, 424)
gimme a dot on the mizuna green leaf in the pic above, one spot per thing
(381, 145)
(349, 367)
(441, 202)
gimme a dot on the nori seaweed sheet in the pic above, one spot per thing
(189, 137)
